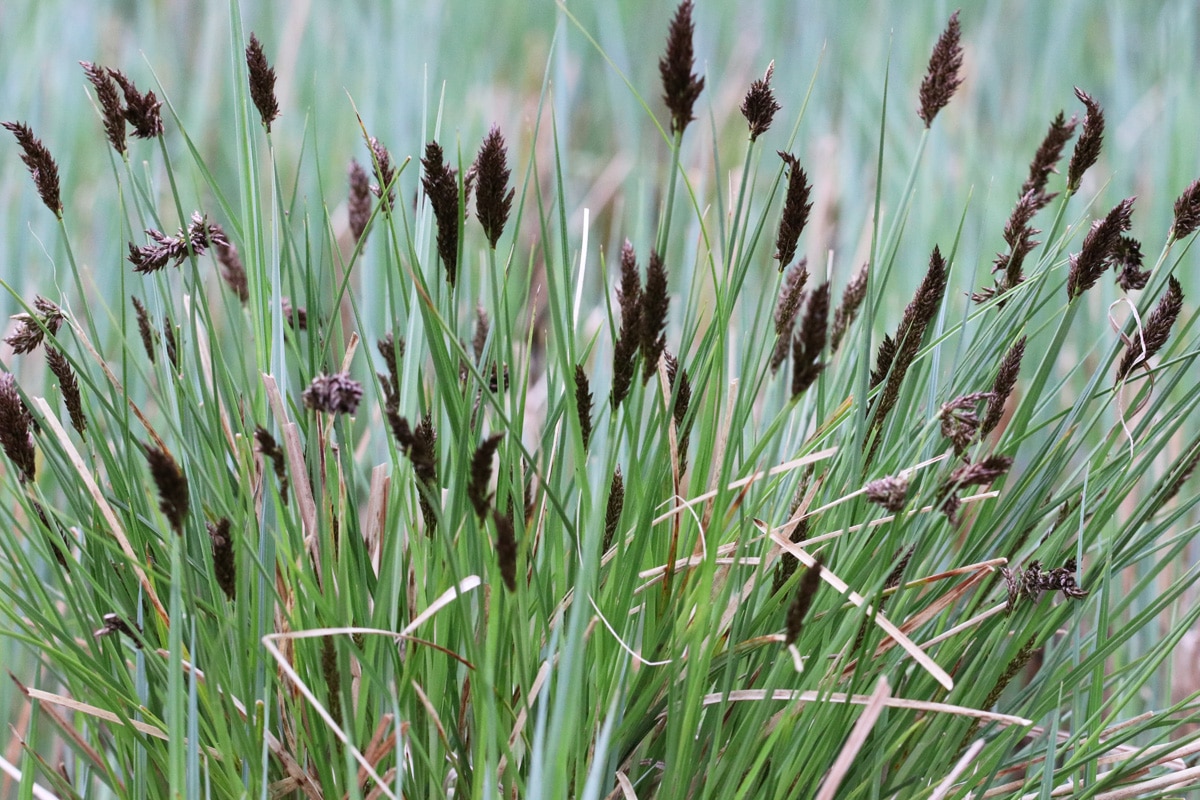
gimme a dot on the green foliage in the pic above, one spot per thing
(337, 513)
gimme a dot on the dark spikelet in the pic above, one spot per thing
(629, 295)
(942, 76)
(358, 204)
(69, 387)
(1087, 146)
(332, 677)
(890, 492)
(385, 174)
(482, 328)
(334, 394)
(1045, 160)
(481, 474)
(1006, 380)
(791, 295)
(1016, 665)
(759, 105)
(145, 328)
(41, 166)
(810, 341)
(233, 272)
(172, 346)
(423, 454)
(172, 486)
(788, 562)
(1155, 332)
(142, 111)
(1187, 212)
(616, 504)
(111, 110)
(795, 211)
(224, 568)
(32, 328)
(506, 550)
(295, 316)
(897, 574)
(847, 310)
(262, 82)
(1184, 468)
(583, 402)
(802, 602)
(681, 387)
(492, 202)
(960, 421)
(389, 349)
(441, 187)
(270, 449)
(884, 357)
(655, 304)
(198, 237)
(680, 86)
(1098, 249)
(917, 315)
(15, 422)
(981, 473)
(1018, 235)
(60, 555)
(1127, 256)
(115, 623)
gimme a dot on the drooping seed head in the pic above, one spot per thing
(111, 110)
(942, 76)
(1187, 212)
(1087, 146)
(1155, 331)
(41, 166)
(142, 111)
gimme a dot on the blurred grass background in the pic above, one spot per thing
(486, 63)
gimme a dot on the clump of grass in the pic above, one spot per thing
(662, 629)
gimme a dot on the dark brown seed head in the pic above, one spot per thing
(115, 623)
(390, 349)
(15, 423)
(1018, 235)
(959, 420)
(1187, 212)
(791, 295)
(884, 357)
(795, 211)
(847, 310)
(142, 111)
(224, 567)
(506, 550)
(41, 166)
(172, 486)
(1155, 332)
(262, 82)
(145, 328)
(981, 473)
(1098, 249)
(1006, 380)
(1127, 257)
(680, 86)
(616, 504)
(810, 341)
(482, 327)
(583, 402)
(481, 474)
(1045, 160)
(492, 202)
(423, 454)
(655, 304)
(942, 76)
(385, 174)
(802, 602)
(161, 249)
(359, 203)
(890, 492)
(681, 387)
(232, 270)
(333, 394)
(111, 110)
(441, 187)
(69, 387)
(629, 295)
(31, 328)
(1087, 146)
(897, 573)
(172, 346)
(269, 448)
(759, 106)
(295, 316)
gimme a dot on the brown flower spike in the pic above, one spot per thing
(810, 341)
(172, 486)
(612, 513)
(15, 422)
(1047, 157)
(1087, 146)
(198, 237)
(31, 329)
(852, 297)
(655, 303)
(233, 272)
(798, 610)
(1098, 249)
(1187, 212)
(1006, 379)
(583, 402)
(481, 474)
(791, 295)
(262, 82)
(629, 295)
(385, 174)
(142, 111)
(41, 166)
(111, 110)
(492, 202)
(942, 76)
(441, 187)
(1155, 332)
(224, 567)
(680, 86)
(333, 394)
(759, 106)
(795, 211)
(69, 386)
